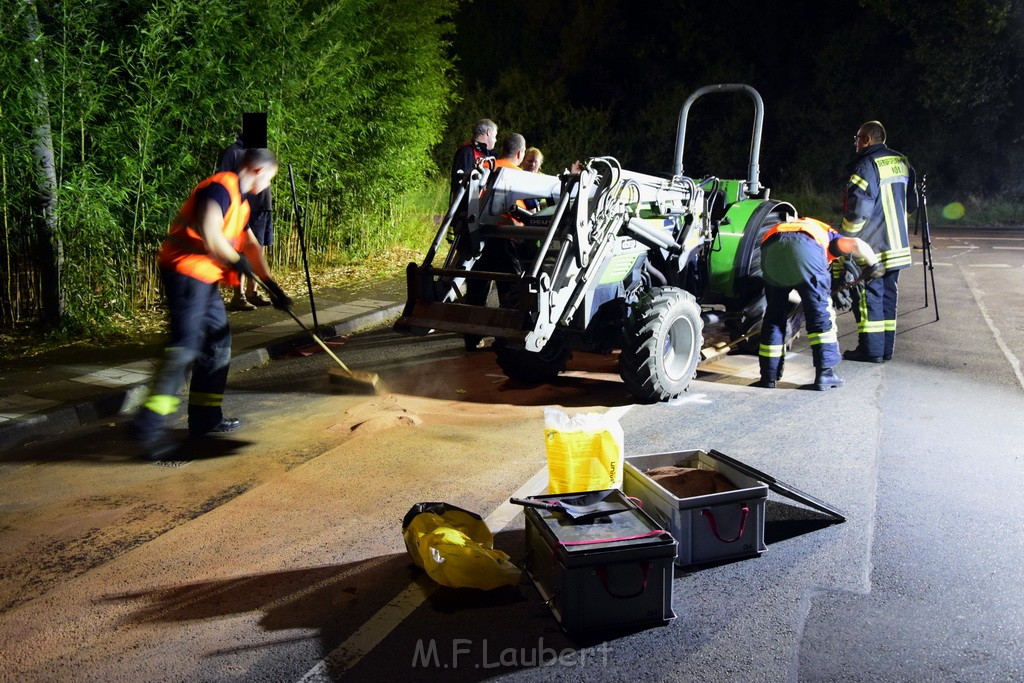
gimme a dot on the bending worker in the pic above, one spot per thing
(795, 255)
(208, 243)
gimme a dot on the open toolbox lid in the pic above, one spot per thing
(782, 488)
(623, 525)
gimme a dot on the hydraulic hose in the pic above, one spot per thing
(651, 237)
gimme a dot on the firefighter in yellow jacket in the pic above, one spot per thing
(207, 244)
(879, 194)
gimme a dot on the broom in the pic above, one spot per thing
(357, 380)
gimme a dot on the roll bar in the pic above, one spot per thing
(752, 185)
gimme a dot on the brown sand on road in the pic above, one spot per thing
(175, 573)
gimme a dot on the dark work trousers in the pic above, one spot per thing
(498, 256)
(793, 260)
(875, 311)
(199, 338)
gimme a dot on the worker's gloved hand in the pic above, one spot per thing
(278, 298)
(842, 300)
(243, 266)
(874, 271)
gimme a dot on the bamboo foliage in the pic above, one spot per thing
(143, 96)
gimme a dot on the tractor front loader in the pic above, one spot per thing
(617, 260)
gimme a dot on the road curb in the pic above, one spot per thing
(59, 420)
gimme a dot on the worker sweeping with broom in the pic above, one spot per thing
(208, 243)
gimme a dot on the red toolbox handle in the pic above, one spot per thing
(602, 573)
(714, 525)
(594, 541)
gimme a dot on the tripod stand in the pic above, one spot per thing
(921, 222)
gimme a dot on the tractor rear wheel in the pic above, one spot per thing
(532, 367)
(661, 345)
(749, 299)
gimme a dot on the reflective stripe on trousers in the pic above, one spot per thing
(200, 339)
(874, 307)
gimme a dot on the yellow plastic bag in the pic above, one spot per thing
(584, 452)
(456, 548)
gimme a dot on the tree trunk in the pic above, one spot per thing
(50, 249)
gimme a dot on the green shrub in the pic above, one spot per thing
(143, 96)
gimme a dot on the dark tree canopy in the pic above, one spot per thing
(608, 77)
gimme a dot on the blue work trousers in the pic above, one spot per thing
(801, 265)
(875, 311)
(200, 339)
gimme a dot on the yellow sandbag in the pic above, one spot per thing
(584, 452)
(456, 548)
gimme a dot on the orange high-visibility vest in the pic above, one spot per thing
(183, 249)
(814, 228)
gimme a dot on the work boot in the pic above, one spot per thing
(225, 426)
(240, 303)
(827, 379)
(860, 356)
(159, 450)
(770, 367)
(151, 446)
(258, 299)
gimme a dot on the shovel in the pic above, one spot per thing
(582, 508)
(357, 380)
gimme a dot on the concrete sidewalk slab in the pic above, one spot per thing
(71, 388)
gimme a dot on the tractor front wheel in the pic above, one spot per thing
(661, 344)
(531, 367)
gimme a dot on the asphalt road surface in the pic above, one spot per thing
(277, 555)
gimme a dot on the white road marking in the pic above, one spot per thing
(971, 238)
(1014, 361)
(989, 265)
(1010, 248)
(389, 617)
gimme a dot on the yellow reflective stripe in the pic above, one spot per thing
(859, 182)
(862, 308)
(871, 326)
(848, 226)
(207, 400)
(892, 167)
(892, 225)
(829, 336)
(816, 338)
(162, 404)
(890, 325)
(896, 258)
(771, 350)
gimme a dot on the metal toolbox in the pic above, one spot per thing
(708, 528)
(610, 573)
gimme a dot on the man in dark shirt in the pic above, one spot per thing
(261, 223)
(485, 135)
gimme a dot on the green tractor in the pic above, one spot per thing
(617, 260)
